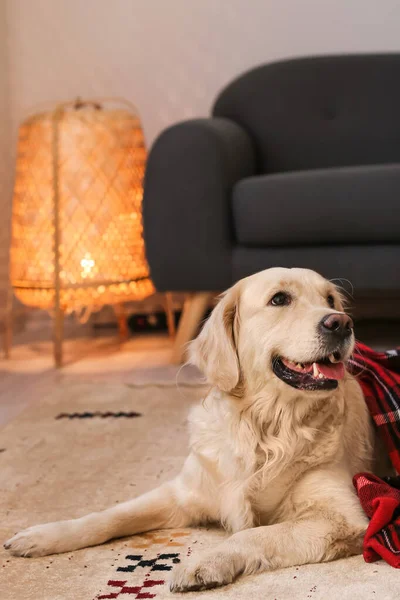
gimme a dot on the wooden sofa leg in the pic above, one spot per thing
(193, 311)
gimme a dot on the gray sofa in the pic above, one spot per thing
(299, 165)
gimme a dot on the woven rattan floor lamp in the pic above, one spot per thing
(77, 224)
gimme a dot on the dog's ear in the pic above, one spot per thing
(214, 351)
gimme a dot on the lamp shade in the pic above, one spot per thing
(77, 218)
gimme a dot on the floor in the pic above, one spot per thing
(88, 356)
(54, 468)
(99, 356)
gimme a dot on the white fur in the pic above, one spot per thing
(272, 464)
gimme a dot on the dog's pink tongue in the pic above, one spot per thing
(332, 370)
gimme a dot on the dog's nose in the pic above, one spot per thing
(337, 324)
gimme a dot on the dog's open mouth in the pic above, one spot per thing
(322, 374)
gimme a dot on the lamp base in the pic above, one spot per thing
(8, 323)
(125, 326)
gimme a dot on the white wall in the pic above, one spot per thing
(171, 57)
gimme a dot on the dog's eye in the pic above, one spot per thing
(280, 299)
(331, 301)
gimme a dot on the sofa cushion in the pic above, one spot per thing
(347, 205)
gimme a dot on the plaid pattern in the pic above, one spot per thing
(378, 373)
(381, 502)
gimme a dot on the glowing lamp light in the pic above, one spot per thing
(77, 238)
(87, 265)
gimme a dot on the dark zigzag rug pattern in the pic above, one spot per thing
(101, 415)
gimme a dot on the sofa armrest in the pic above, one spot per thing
(191, 170)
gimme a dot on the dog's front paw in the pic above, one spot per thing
(210, 571)
(39, 540)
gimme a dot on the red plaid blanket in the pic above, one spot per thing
(378, 373)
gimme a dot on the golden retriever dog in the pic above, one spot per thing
(274, 445)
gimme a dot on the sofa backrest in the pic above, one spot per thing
(319, 112)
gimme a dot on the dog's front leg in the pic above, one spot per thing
(167, 506)
(263, 548)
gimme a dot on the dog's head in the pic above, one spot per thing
(287, 324)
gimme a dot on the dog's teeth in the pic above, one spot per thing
(299, 366)
(315, 370)
(320, 376)
(332, 358)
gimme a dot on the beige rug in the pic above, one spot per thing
(55, 464)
